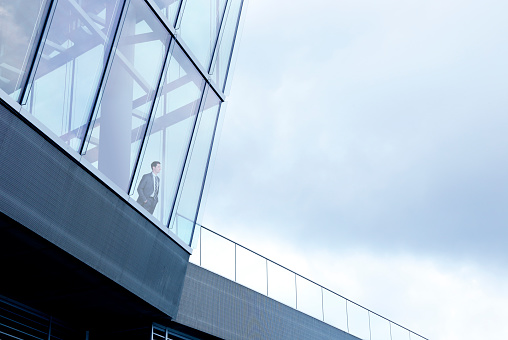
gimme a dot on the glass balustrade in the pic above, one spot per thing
(252, 270)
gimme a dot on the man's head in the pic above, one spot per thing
(156, 167)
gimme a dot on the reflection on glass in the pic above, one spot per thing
(281, 285)
(251, 270)
(379, 328)
(128, 97)
(19, 29)
(217, 254)
(169, 9)
(200, 26)
(358, 320)
(226, 44)
(171, 131)
(191, 188)
(334, 308)
(73, 59)
(309, 298)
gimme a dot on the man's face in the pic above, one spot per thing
(157, 169)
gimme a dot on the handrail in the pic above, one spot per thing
(305, 278)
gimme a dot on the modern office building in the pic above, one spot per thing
(108, 114)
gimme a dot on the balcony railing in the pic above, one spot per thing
(248, 268)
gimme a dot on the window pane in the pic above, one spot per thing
(71, 65)
(281, 284)
(200, 26)
(334, 308)
(379, 328)
(217, 254)
(399, 333)
(194, 177)
(226, 44)
(171, 130)
(169, 9)
(358, 321)
(19, 26)
(309, 298)
(251, 270)
(128, 97)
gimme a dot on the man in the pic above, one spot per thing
(148, 188)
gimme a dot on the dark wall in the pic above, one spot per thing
(49, 201)
(223, 308)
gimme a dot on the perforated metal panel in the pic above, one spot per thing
(223, 308)
(46, 191)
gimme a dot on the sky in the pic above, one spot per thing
(364, 146)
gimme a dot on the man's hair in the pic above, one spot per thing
(154, 164)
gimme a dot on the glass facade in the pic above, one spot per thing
(134, 87)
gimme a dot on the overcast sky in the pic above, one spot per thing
(365, 146)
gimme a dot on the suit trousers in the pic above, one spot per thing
(150, 204)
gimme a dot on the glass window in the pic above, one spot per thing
(226, 43)
(169, 9)
(250, 270)
(127, 101)
(358, 321)
(309, 298)
(379, 328)
(281, 284)
(399, 333)
(19, 29)
(200, 26)
(72, 63)
(170, 132)
(335, 310)
(191, 190)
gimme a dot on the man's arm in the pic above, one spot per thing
(141, 188)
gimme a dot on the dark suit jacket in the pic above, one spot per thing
(145, 188)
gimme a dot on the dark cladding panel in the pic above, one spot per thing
(50, 194)
(223, 308)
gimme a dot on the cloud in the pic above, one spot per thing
(365, 147)
(379, 126)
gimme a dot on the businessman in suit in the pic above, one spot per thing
(148, 188)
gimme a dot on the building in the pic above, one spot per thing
(92, 93)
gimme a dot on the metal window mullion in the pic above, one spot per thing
(172, 212)
(109, 55)
(206, 172)
(36, 53)
(181, 10)
(151, 113)
(199, 68)
(226, 74)
(218, 39)
(163, 20)
(186, 49)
